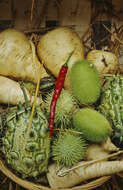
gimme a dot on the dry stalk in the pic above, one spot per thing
(120, 175)
(114, 183)
(32, 8)
(10, 186)
(35, 97)
(117, 44)
(86, 32)
(58, 3)
(44, 11)
(4, 180)
(115, 36)
(17, 187)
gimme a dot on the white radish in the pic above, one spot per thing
(82, 173)
(105, 62)
(102, 150)
(18, 58)
(95, 151)
(11, 93)
(55, 46)
(109, 146)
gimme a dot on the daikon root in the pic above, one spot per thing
(109, 146)
(82, 173)
(95, 151)
(98, 151)
(16, 57)
(11, 93)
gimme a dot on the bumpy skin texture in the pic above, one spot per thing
(68, 149)
(94, 126)
(33, 160)
(85, 82)
(112, 105)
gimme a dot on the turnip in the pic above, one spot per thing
(11, 93)
(18, 58)
(54, 48)
(100, 150)
(105, 62)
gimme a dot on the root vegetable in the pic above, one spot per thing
(102, 150)
(11, 93)
(83, 173)
(95, 151)
(106, 62)
(109, 146)
(18, 58)
(55, 46)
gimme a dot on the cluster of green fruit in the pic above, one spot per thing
(76, 123)
(87, 123)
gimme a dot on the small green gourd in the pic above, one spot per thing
(94, 126)
(85, 82)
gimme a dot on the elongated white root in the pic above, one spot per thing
(109, 146)
(83, 173)
(18, 58)
(98, 151)
(11, 93)
(95, 151)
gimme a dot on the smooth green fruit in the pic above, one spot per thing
(68, 149)
(94, 126)
(85, 82)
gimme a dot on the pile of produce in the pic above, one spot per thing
(63, 125)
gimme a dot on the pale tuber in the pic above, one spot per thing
(83, 173)
(11, 93)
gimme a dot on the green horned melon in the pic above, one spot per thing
(85, 82)
(111, 105)
(30, 160)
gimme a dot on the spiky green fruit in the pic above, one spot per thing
(68, 149)
(85, 82)
(65, 107)
(27, 155)
(112, 105)
(94, 126)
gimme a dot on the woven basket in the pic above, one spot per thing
(88, 185)
(32, 186)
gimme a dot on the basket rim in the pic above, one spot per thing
(33, 186)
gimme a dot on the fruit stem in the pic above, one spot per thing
(24, 93)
